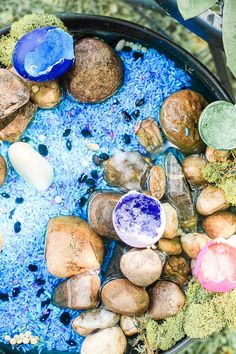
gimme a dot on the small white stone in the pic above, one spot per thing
(34, 88)
(19, 341)
(12, 341)
(7, 338)
(33, 340)
(136, 47)
(42, 137)
(120, 45)
(58, 199)
(26, 340)
(28, 333)
(84, 163)
(93, 146)
(144, 50)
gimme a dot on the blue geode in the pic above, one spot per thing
(43, 54)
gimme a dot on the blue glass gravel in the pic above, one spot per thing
(148, 82)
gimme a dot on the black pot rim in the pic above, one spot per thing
(127, 28)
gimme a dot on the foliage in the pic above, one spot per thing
(192, 8)
(203, 314)
(223, 175)
(21, 27)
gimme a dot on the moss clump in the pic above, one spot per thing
(20, 28)
(203, 314)
(223, 175)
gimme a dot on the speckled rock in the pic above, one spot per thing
(3, 170)
(18, 123)
(13, 95)
(79, 292)
(97, 72)
(100, 208)
(125, 298)
(71, 247)
(179, 118)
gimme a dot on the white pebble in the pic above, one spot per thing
(84, 163)
(26, 340)
(12, 341)
(93, 146)
(33, 340)
(120, 45)
(136, 47)
(144, 50)
(28, 333)
(31, 166)
(19, 341)
(58, 199)
(7, 338)
(42, 138)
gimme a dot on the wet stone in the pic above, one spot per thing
(126, 139)
(4, 297)
(82, 178)
(43, 150)
(66, 133)
(71, 342)
(5, 195)
(136, 114)
(65, 318)
(100, 209)
(96, 160)
(139, 102)
(82, 201)
(15, 292)
(137, 55)
(40, 281)
(94, 174)
(126, 116)
(33, 268)
(17, 227)
(103, 156)
(19, 200)
(68, 144)
(86, 133)
(90, 182)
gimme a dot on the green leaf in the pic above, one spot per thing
(229, 33)
(192, 8)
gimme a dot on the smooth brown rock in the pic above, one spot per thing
(210, 200)
(141, 266)
(72, 247)
(172, 224)
(79, 292)
(100, 208)
(19, 121)
(13, 95)
(179, 117)
(166, 299)
(178, 270)
(45, 94)
(193, 169)
(107, 341)
(192, 243)
(157, 181)
(89, 321)
(125, 298)
(170, 246)
(149, 135)
(220, 224)
(3, 170)
(97, 72)
(125, 170)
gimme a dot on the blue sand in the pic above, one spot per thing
(153, 79)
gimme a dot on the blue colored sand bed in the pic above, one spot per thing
(25, 213)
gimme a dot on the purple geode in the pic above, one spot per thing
(139, 219)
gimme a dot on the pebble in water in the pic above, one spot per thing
(94, 174)
(139, 102)
(69, 144)
(86, 133)
(5, 195)
(93, 146)
(19, 200)
(43, 150)
(40, 281)
(58, 199)
(67, 132)
(71, 342)
(4, 297)
(82, 201)
(90, 182)
(82, 178)
(33, 268)
(15, 292)
(65, 318)
(96, 160)
(136, 114)
(103, 156)
(17, 227)
(40, 292)
(126, 139)
(126, 116)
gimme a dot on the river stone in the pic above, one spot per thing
(3, 170)
(97, 72)
(79, 292)
(125, 298)
(13, 95)
(18, 123)
(71, 247)
(100, 209)
(179, 118)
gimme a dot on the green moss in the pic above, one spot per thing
(20, 28)
(223, 175)
(203, 314)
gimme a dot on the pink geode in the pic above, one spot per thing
(215, 266)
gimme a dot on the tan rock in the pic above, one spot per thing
(3, 170)
(79, 292)
(72, 247)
